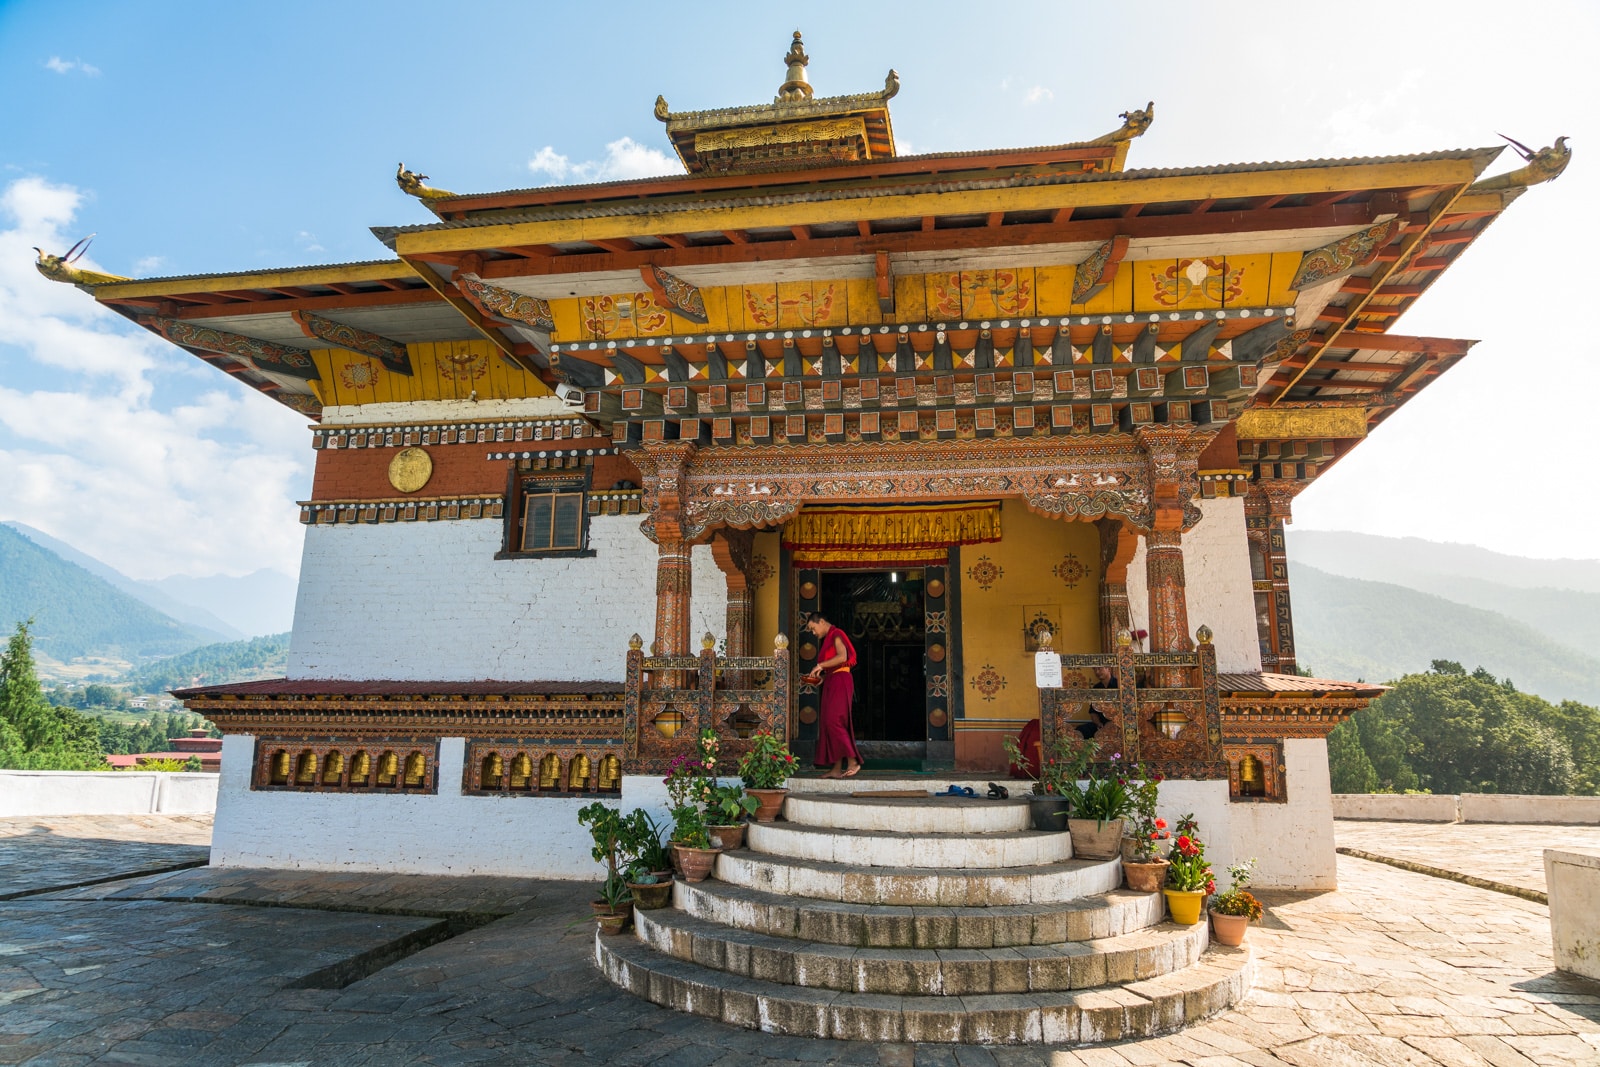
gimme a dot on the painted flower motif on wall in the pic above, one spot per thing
(760, 571)
(934, 622)
(1070, 570)
(989, 682)
(985, 572)
(939, 685)
(358, 374)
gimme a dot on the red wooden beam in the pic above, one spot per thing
(1388, 342)
(618, 244)
(386, 298)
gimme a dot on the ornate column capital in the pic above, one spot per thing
(1173, 453)
(664, 468)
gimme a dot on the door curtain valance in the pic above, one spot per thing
(887, 535)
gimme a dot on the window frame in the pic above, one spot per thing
(524, 485)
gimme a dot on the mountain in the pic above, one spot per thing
(258, 603)
(235, 661)
(78, 614)
(1378, 631)
(1559, 598)
(180, 609)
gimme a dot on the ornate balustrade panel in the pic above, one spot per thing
(734, 696)
(1138, 719)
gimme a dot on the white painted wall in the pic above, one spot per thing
(1292, 842)
(106, 793)
(1573, 880)
(427, 601)
(446, 833)
(1397, 807)
(1208, 802)
(1515, 808)
(1216, 569)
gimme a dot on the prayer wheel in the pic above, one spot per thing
(360, 768)
(521, 771)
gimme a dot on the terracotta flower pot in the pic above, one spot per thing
(612, 924)
(771, 801)
(672, 850)
(1093, 840)
(651, 896)
(602, 910)
(732, 837)
(1144, 877)
(696, 862)
(1184, 904)
(1229, 929)
(1049, 812)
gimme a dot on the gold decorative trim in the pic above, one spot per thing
(407, 509)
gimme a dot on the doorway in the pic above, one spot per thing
(884, 613)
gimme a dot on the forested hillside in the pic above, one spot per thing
(232, 661)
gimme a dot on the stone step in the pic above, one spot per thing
(1107, 1013)
(923, 971)
(887, 848)
(890, 781)
(889, 926)
(1052, 883)
(925, 815)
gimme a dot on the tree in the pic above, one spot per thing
(1348, 766)
(22, 701)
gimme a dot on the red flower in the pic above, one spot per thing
(1211, 887)
(1153, 836)
(1161, 824)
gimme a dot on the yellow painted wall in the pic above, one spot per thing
(443, 370)
(1039, 561)
(1145, 286)
(765, 628)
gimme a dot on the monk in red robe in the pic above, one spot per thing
(836, 743)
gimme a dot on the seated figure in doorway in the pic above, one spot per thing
(1104, 678)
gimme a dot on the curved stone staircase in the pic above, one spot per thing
(922, 919)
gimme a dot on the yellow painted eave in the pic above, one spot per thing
(848, 208)
(269, 279)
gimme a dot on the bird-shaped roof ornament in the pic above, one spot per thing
(1542, 166)
(60, 268)
(410, 183)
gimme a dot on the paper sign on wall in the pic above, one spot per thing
(1047, 669)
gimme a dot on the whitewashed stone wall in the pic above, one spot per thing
(445, 833)
(427, 601)
(1293, 842)
(1216, 568)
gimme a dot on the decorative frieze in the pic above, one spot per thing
(328, 765)
(523, 767)
(458, 433)
(407, 509)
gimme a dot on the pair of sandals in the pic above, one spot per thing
(996, 792)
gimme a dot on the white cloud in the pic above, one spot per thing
(308, 242)
(147, 265)
(105, 444)
(1036, 94)
(67, 66)
(625, 159)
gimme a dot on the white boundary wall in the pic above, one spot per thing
(1293, 841)
(1468, 807)
(1216, 571)
(427, 601)
(1573, 879)
(107, 793)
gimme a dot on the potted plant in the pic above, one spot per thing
(764, 769)
(1189, 877)
(609, 830)
(726, 810)
(687, 786)
(615, 906)
(1099, 807)
(651, 851)
(1232, 912)
(696, 853)
(1060, 764)
(1144, 867)
(649, 891)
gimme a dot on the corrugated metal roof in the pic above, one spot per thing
(399, 264)
(330, 687)
(656, 205)
(1267, 682)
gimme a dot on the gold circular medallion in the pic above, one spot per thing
(938, 717)
(410, 470)
(936, 589)
(808, 590)
(936, 653)
(808, 715)
(808, 651)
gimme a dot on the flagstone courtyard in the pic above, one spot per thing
(118, 947)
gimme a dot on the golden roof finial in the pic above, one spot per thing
(1542, 166)
(410, 183)
(60, 268)
(796, 88)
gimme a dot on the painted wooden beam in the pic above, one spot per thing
(392, 354)
(273, 358)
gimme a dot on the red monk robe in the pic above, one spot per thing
(835, 731)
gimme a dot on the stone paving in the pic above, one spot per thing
(1500, 852)
(1394, 968)
(41, 851)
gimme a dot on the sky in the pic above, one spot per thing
(212, 137)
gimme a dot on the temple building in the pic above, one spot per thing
(968, 404)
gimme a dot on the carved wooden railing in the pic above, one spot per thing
(670, 700)
(1178, 694)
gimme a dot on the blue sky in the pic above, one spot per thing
(206, 137)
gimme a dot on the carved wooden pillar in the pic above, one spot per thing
(664, 465)
(734, 550)
(672, 596)
(1169, 610)
(1117, 546)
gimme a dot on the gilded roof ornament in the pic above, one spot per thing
(796, 87)
(60, 268)
(661, 109)
(1542, 166)
(1134, 122)
(410, 183)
